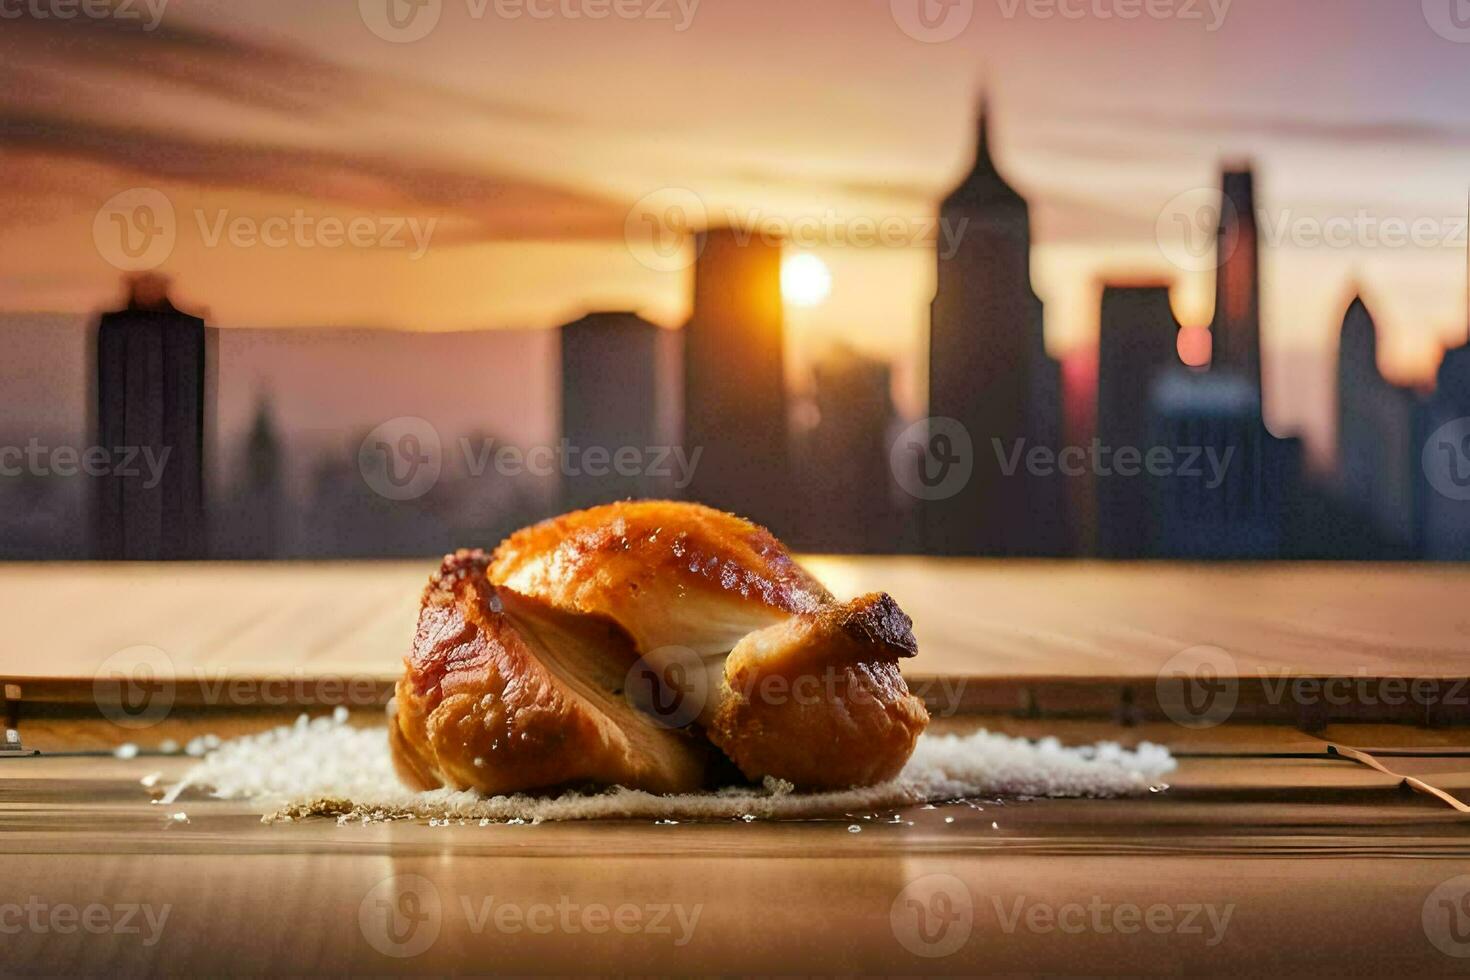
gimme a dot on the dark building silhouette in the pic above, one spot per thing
(1444, 517)
(1236, 490)
(609, 400)
(1137, 342)
(988, 369)
(1234, 485)
(1377, 456)
(847, 492)
(1236, 330)
(251, 523)
(155, 394)
(734, 380)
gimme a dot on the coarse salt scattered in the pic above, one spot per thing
(323, 765)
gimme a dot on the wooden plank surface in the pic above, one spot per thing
(1326, 868)
(973, 618)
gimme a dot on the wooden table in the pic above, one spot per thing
(972, 618)
(1322, 865)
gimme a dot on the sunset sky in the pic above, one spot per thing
(523, 143)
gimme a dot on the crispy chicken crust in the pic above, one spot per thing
(667, 572)
(502, 693)
(818, 699)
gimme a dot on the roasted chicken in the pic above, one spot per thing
(614, 645)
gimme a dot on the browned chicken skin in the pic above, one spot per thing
(733, 635)
(504, 693)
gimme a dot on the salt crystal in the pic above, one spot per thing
(854, 829)
(127, 750)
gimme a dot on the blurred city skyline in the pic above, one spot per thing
(1157, 449)
(529, 140)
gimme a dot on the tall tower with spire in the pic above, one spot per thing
(989, 370)
(1236, 331)
(1377, 459)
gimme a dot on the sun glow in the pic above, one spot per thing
(805, 280)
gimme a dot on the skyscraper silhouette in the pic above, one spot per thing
(155, 393)
(989, 370)
(1444, 473)
(734, 379)
(847, 490)
(1245, 487)
(1137, 341)
(1236, 330)
(1234, 484)
(247, 518)
(1377, 459)
(609, 400)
